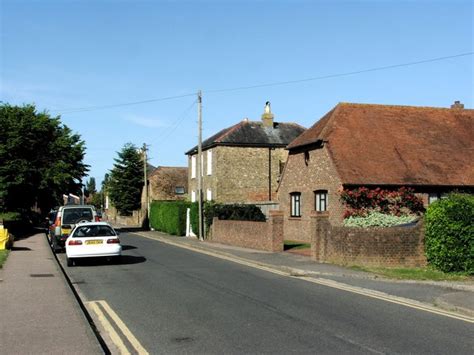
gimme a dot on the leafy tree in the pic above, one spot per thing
(126, 180)
(41, 159)
(97, 200)
(90, 188)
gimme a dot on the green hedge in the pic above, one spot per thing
(169, 216)
(449, 237)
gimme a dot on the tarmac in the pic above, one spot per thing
(40, 313)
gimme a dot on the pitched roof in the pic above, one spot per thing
(176, 172)
(397, 145)
(253, 134)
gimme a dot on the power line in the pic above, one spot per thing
(340, 74)
(278, 83)
(164, 136)
(93, 108)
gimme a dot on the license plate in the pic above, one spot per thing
(94, 241)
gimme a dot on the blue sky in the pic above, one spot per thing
(74, 54)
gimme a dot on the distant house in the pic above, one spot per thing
(428, 149)
(243, 163)
(168, 183)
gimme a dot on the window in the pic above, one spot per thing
(295, 199)
(434, 196)
(202, 165)
(193, 196)
(321, 200)
(193, 167)
(209, 162)
(209, 195)
(179, 190)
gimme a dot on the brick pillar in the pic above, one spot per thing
(319, 231)
(276, 230)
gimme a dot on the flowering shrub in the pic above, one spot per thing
(377, 219)
(362, 201)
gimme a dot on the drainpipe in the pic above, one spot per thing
(269, 174)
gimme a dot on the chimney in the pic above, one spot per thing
(457, 105)
(267, 116)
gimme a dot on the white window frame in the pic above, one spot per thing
(209, 162)
(321, 200)
(295, 204)
(193, 196)
(209, 195)
(193, 167)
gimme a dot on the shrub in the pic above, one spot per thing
(169, 216)
(449, 243)
(362, 201)
(377, 219)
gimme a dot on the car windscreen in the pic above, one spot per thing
(93, 231)
(74, 215)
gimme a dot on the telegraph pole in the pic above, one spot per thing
(145, 177)
(199, 167)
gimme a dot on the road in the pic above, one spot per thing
(173, 300)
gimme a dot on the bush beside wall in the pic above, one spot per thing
(449, 241)
(169, 216)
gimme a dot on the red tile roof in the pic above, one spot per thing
(397, 145)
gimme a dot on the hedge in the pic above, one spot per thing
(169, 216)
(449, 243)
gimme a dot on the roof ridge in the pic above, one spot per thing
(228, 131)
(399, 106)
(330, 120)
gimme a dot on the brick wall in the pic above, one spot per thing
(255, 235)
(240, 174)
(388, 247)
(306, 173)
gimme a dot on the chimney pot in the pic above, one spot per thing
(457, 105)
(267, 116)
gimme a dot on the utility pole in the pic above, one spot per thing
(145, 177)
(199, 167)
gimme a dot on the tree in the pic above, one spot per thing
(126, 180)
(41, 159)
(90, 188)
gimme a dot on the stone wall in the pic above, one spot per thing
(135, 220)
(266, 236)
(306, 172)
(386, 247)
(241, 174)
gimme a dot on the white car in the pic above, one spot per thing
(92, 239)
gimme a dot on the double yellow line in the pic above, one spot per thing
(106, 316)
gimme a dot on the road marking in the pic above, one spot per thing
(322, 281)
(120, 324)
(108, 328)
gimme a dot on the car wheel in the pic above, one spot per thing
(54, 244)
(69, 261)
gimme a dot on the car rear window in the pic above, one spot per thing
(93, 231)
(74, 215)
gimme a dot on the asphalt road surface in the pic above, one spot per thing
(173, 300)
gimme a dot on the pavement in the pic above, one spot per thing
(41, 314)
(38, 311)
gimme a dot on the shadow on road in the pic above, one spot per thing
(124, 260)
(128, 247)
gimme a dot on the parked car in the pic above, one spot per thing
(51, 220)
(93, 239)
(66, 219)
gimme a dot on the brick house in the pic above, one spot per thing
(168, 183)
(428, 149)
(243, 163)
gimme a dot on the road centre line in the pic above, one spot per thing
(324, 282)
(120, 324)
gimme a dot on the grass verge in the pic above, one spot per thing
(3, 257)
(415, 274)
(291, 244)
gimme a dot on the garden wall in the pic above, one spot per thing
(266, 236)
(386, 247)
